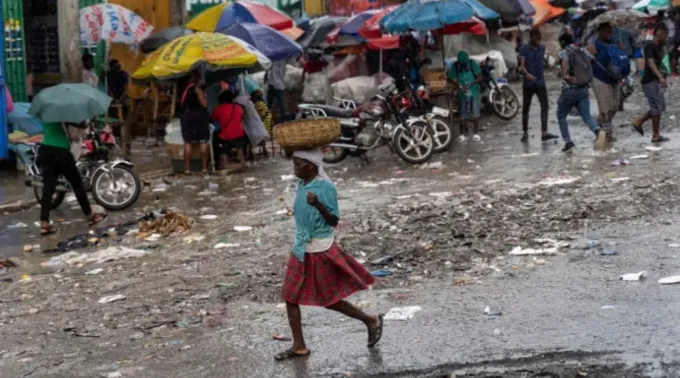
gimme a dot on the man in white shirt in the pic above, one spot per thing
(276, 87)
(88, 77)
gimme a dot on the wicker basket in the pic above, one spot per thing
(307, 133)
(437, 83)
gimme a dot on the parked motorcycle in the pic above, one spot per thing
(417, 108)
(113, 183)
(374, 124)
(496, 93)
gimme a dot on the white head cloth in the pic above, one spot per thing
(315, 157)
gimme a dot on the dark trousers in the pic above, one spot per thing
(274, 94)
(528, 95)
(54, 162)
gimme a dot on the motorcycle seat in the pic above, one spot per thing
(335, 111)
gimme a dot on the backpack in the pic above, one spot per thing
(619, 64)
(580, 66)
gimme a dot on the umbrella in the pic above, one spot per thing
(221, 16)
(161, 37)
(617, 18)
(209, 51)
(371, 28)
(423, 15)
(652, 6)
(351, 27)
(510, 10)
(270, 42)
(545, 12)
(112, 23)
(319, 29)
(72, 103)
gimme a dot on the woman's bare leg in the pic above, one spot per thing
(348, 309)
(205, 156)
(187, 158)
(295, 322)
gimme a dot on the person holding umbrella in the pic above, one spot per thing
(64, 109)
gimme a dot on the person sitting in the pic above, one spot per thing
(229, 134)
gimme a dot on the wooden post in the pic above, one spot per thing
(156, 94)
(69, 40)
(174, 101)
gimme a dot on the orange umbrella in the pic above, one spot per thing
(544, 12)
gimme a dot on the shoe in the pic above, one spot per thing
(462, 139)
(568, 147)
(525, 137)
(601, 140)
(548, 137)
(476, 138)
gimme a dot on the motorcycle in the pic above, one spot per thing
(496, 94)
(374, 124)
(113, 183)
(417, 108)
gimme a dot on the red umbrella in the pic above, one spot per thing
(371, 28)
(473, 26)
(389, 42)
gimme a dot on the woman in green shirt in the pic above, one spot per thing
(55, 159)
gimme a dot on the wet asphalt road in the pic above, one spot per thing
(570, 316)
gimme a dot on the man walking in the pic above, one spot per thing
(276, 86)
(577, 73)
(531, 65)
(605, 85)
(653, 84)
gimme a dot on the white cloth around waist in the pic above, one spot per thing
(319, 245)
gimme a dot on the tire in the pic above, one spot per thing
(99, 198)
(511, 101)
(57, 198)
(442, 133)
(334, 158)
(401, 142)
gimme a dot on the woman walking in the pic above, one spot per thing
(195, 122)
(55, 159)
(319, 272)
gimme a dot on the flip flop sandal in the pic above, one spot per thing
(661, 140)
(638, 129)
(97, 221)
(47, 231)
(375, 335)
(290, 354)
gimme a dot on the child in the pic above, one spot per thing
(257, 97)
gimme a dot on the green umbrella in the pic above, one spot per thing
(72, 103)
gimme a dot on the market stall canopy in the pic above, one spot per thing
(268, 41)
(319, 28)
(160, 37)
(510, 10)
(545, 12)
(426, 15)
(71, 103)
(112, 23)
(223, 15)
(207, 51)
(652, 6)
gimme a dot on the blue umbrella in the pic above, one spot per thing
(424, 15)
(270, 42)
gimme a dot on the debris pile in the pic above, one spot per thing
(171, 223)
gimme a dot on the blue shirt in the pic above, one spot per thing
(603, 61)
(309, 223)
(534, 63)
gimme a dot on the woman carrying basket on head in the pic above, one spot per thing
(319, 272)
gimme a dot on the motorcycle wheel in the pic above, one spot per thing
(132, 187)
(505, 104)
(442, 133)
(417, 148)
(57, 198)
(334, 155)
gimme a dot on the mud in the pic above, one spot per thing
(445, 231)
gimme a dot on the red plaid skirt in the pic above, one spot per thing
(324, 278)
